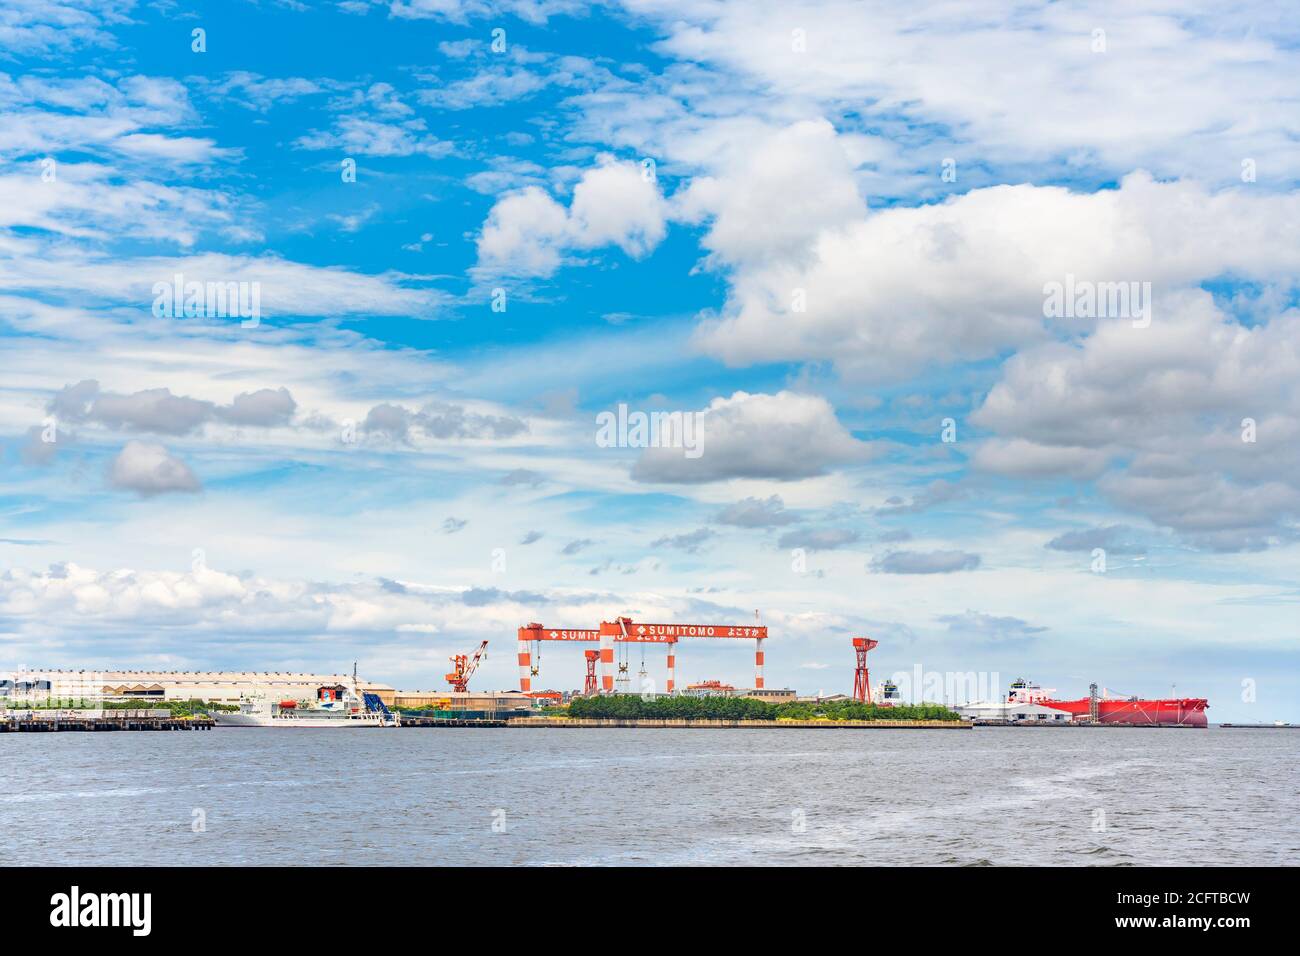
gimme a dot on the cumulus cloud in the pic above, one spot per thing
(445, 420)
(969, 273)
(757, 207)
(1020, 458)
(266, 407)
(990, 629)
(1115, 538)
(691, 541)
(480, 597)
(1193, 422)
(388, 421)
(149, 469)
(573, 547)
(786, 436)
(819, 539)
(925, 562)
(157, 410)
(438, 420)
(757, 513)
(522, 476)
(527, 233)
(937, 493)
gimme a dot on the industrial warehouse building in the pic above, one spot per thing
(221, 686)
(1009, 712)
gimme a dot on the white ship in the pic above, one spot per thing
(334, 706)
(887, 694)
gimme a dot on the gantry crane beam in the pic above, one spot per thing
(626, 630)
(538, 632)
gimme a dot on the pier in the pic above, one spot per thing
(44, 722)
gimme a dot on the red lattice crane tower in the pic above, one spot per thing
(861, 677)
(589, 686)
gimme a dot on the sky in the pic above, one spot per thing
(826, 234)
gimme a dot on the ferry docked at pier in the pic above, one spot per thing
(334, 706)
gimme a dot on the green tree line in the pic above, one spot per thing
(633, 706)
(178, 708)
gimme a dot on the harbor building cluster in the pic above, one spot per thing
(223, 687)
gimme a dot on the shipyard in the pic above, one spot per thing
(50, 700)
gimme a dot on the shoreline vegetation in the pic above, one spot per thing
(633, 707)
(177, 708)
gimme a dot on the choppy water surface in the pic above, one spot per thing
(685, 797)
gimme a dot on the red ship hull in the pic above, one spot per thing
(1181, 712)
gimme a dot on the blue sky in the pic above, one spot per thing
(386, 468)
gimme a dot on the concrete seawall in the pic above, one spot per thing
(95, 724)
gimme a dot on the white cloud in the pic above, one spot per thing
(285, 287)
(1162, 410)
(925, 562)
(1020, 458)
(92, 201)
(256, 92)
(47, 26)
(149, 469)
(819, 539)
(460, 11)
(524, 234)
(158, 410)
(758, 201)
(55, 116)
(785, 437)
(962, 280)
(757, 513)
(1011, 88)
(364, 136)
(528, 233)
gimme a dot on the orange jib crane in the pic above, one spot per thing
(463, 667)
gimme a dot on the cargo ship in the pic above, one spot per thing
(1104, 708)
